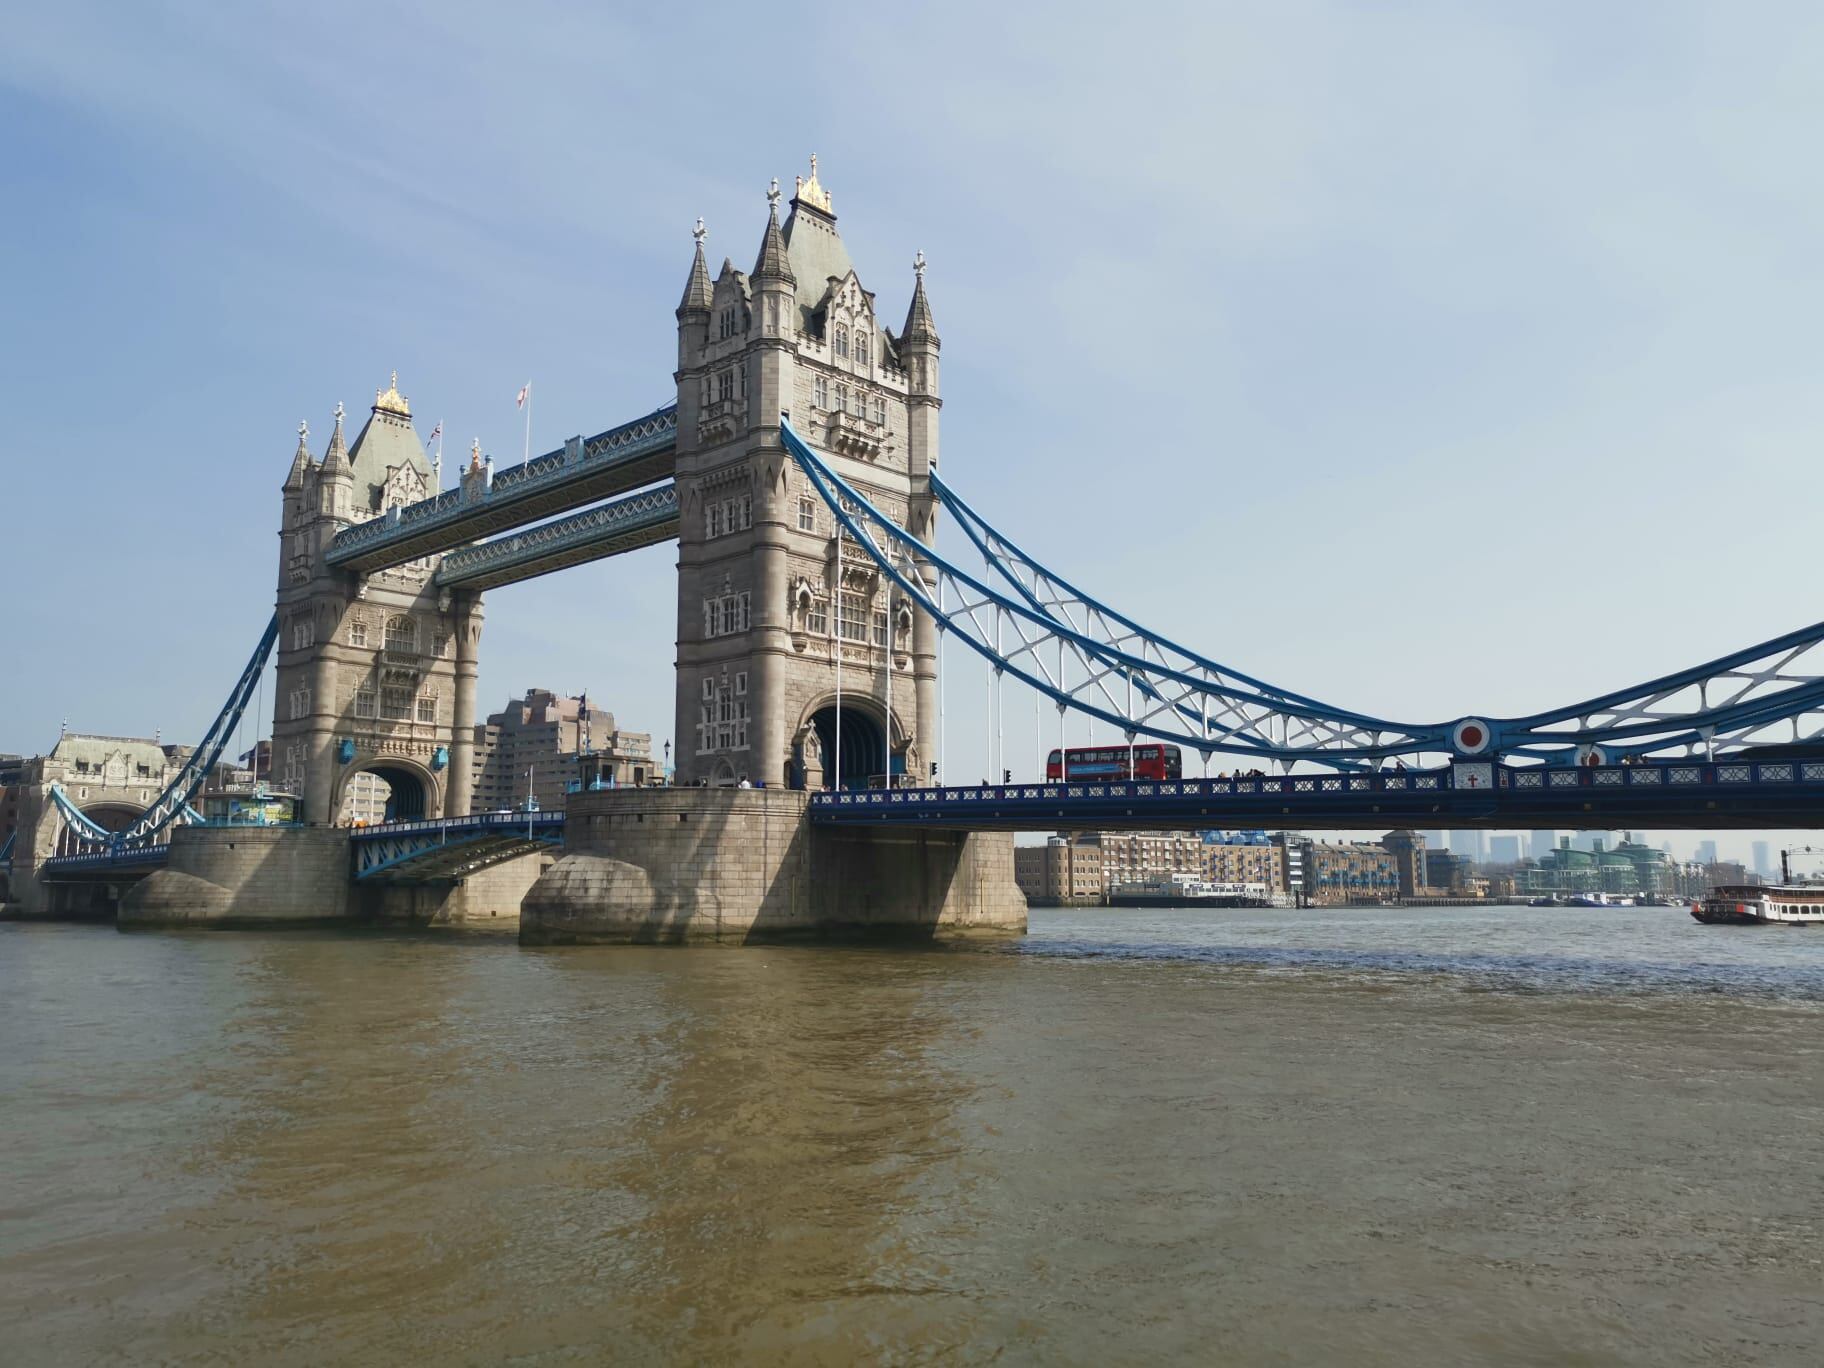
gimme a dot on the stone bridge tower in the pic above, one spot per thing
(376, 673)
(778, 616)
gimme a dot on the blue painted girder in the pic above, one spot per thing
(1645, 718)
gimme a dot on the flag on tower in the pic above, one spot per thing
(436, 432)
(525, 393)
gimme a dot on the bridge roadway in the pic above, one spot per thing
(582, 471)
(1657, 796)
(1650, 797)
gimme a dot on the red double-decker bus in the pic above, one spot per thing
(1112, 762)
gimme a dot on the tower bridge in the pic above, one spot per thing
(796, 471)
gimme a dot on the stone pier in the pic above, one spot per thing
(245, 876)
(739, 865)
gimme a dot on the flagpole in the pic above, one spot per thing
(438, 467)
(528, 450)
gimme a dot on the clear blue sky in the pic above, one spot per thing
(1430, 358)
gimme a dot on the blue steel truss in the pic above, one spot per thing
(173, 803)
(1091, 659)
(408, 532)
(637, 520)
(436, 849)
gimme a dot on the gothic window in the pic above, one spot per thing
(427, 707)
(820, 392)
(807, 514)
(712, 520)
(842, 341)
(842, 398)
(364, 703)
(357, 631)
(744, 379)
(401, 634)
(725, 385)
(722, 718)
(854, 616)
(726, 614)
(817, 619)
(880, 629)
(294, 766)
(729, 325)
(300, 701)
(880, 410)
(396, 703)
(861, 347)
(303, 634)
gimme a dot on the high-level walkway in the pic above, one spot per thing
(581, 472)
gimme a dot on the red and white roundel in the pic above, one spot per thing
(1471, 736)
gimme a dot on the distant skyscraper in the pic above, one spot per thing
(1706, 852)
(1543, 841)
(1471, 845)
(1763, 859)
(1504, 849)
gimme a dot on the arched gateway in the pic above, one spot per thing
(776, 611)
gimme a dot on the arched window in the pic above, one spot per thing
(401, 634)
(842, 341)
(842, 398)
(861, 347)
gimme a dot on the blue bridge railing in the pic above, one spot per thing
(622, 445)
(655, 508)
(1681, 793)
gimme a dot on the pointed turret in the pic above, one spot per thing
(773, 263)
(919, 325)
(300, 462)
(336, 476)
(696, 289)
(335, 460)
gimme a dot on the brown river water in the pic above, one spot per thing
(1438, 1136)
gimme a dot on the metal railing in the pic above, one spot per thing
(628, 442)
(1682, 774)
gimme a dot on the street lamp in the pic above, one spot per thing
(666, 773)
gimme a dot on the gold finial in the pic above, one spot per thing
(810, 191)
(475, 455)
(392, 401)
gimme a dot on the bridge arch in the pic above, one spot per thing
(411, 790)
(110, 814)
(873, 742)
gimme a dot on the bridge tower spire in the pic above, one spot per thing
(375, 673)
(774, 616)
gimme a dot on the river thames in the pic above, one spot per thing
(1438, 1136)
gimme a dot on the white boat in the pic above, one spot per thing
(1762, 905)
(1187, 888)
(1598, 900)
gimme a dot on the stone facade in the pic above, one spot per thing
(375, 673)
(772, 603)
(743, 865)
(245, 876)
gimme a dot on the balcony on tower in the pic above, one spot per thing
(721, 419)
(853, 435)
